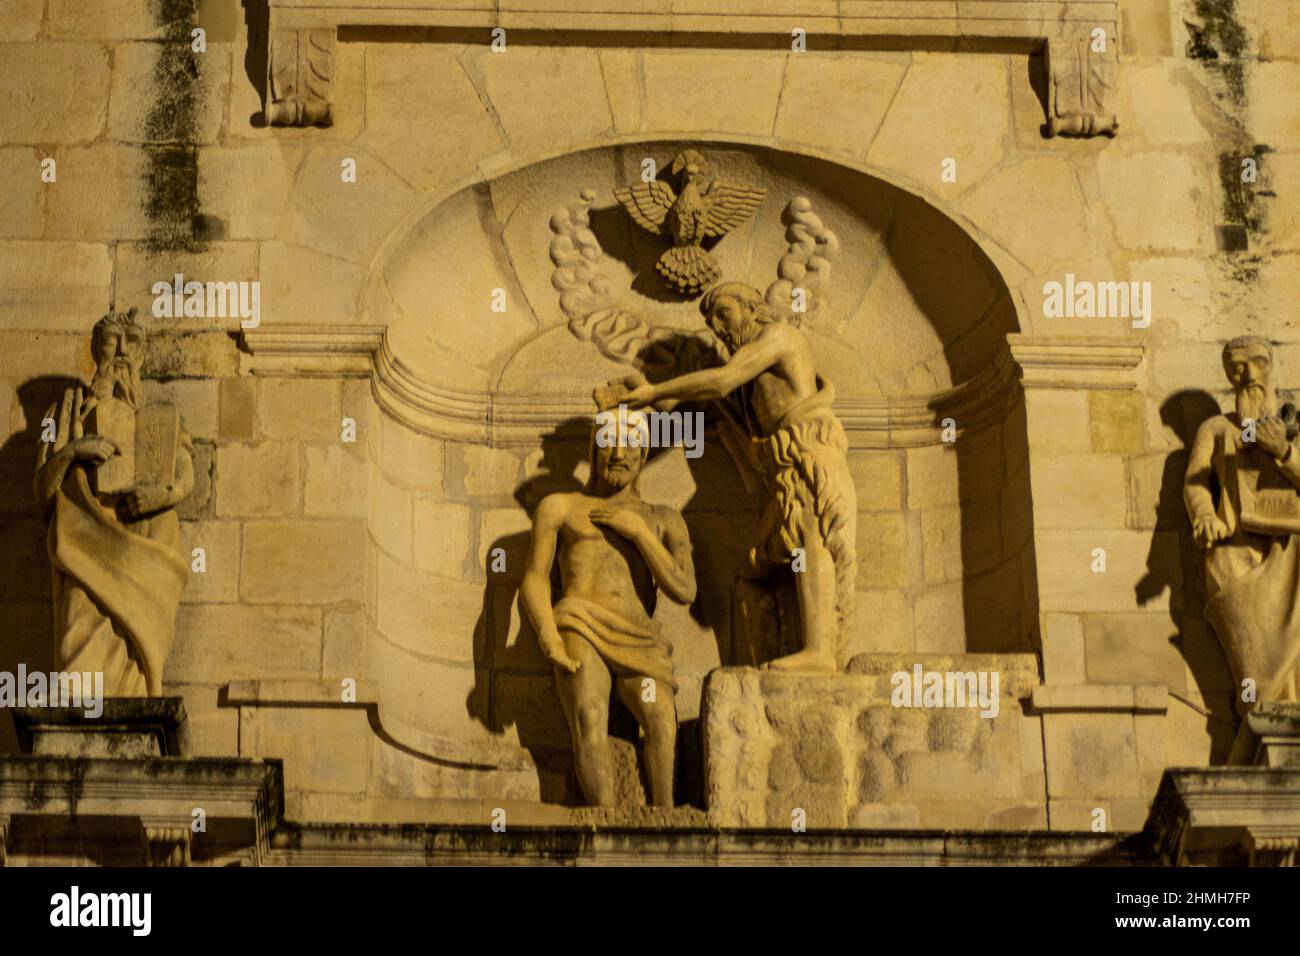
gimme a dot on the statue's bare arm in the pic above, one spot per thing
(1198, 496)
(535, 588)
(678, 578)
(748, 362)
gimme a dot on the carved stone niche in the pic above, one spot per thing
(912, 331)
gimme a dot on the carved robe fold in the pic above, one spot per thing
(117, 584)
(626, 647)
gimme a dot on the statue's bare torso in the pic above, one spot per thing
(600, 566)
(787, 382)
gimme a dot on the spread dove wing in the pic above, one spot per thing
(728, 206)
(648, 203)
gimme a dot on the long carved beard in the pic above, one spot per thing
(1254, 401)
(121, 380)
(744, 335)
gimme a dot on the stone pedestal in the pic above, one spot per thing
(1269, 737)
(1228, 816)
(117, 789)
(127, 727)
(835, 750)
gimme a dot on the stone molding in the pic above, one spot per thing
(957, 25)
(476, 844)
(303, 35)
(309, 694)
(506, 420)
(155, 795)
(1072, 362)
(1227, 815)
(1100, 698)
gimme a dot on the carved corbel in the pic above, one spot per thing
(166, 842)
(1265, 847)
(300, 77)
(1080, 83)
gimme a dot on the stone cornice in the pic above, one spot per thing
(968, 20)
(1052, 361)
(1100, 698)
(303, 35)
(502, 420)
(1200, 815)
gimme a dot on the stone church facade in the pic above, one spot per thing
(1015, 236)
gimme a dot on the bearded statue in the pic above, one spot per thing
(110, 473)
(1242, 492)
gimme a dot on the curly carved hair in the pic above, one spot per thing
(746, 295)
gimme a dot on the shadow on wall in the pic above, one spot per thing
(1181, 570)
(256, 17)
(942, 268)
(26, 615)
(515, 684)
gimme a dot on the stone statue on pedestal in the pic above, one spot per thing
(615, 551)
(797, 444)
(110, 473)
(1242, 493)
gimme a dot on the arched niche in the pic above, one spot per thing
(915, 323)
(913, 335)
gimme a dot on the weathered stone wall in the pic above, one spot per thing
(328, 559)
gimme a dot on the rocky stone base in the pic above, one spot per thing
(826, 751)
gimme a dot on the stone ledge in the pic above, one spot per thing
(621, 846)
(974, 19)
(444, 412)
(100, 808)
(1076, 362)
(1100, 698)
(326, 695)
(298, 693)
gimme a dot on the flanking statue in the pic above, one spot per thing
(110, 472)
(1242, 492)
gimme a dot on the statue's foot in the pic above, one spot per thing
(806, 661)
